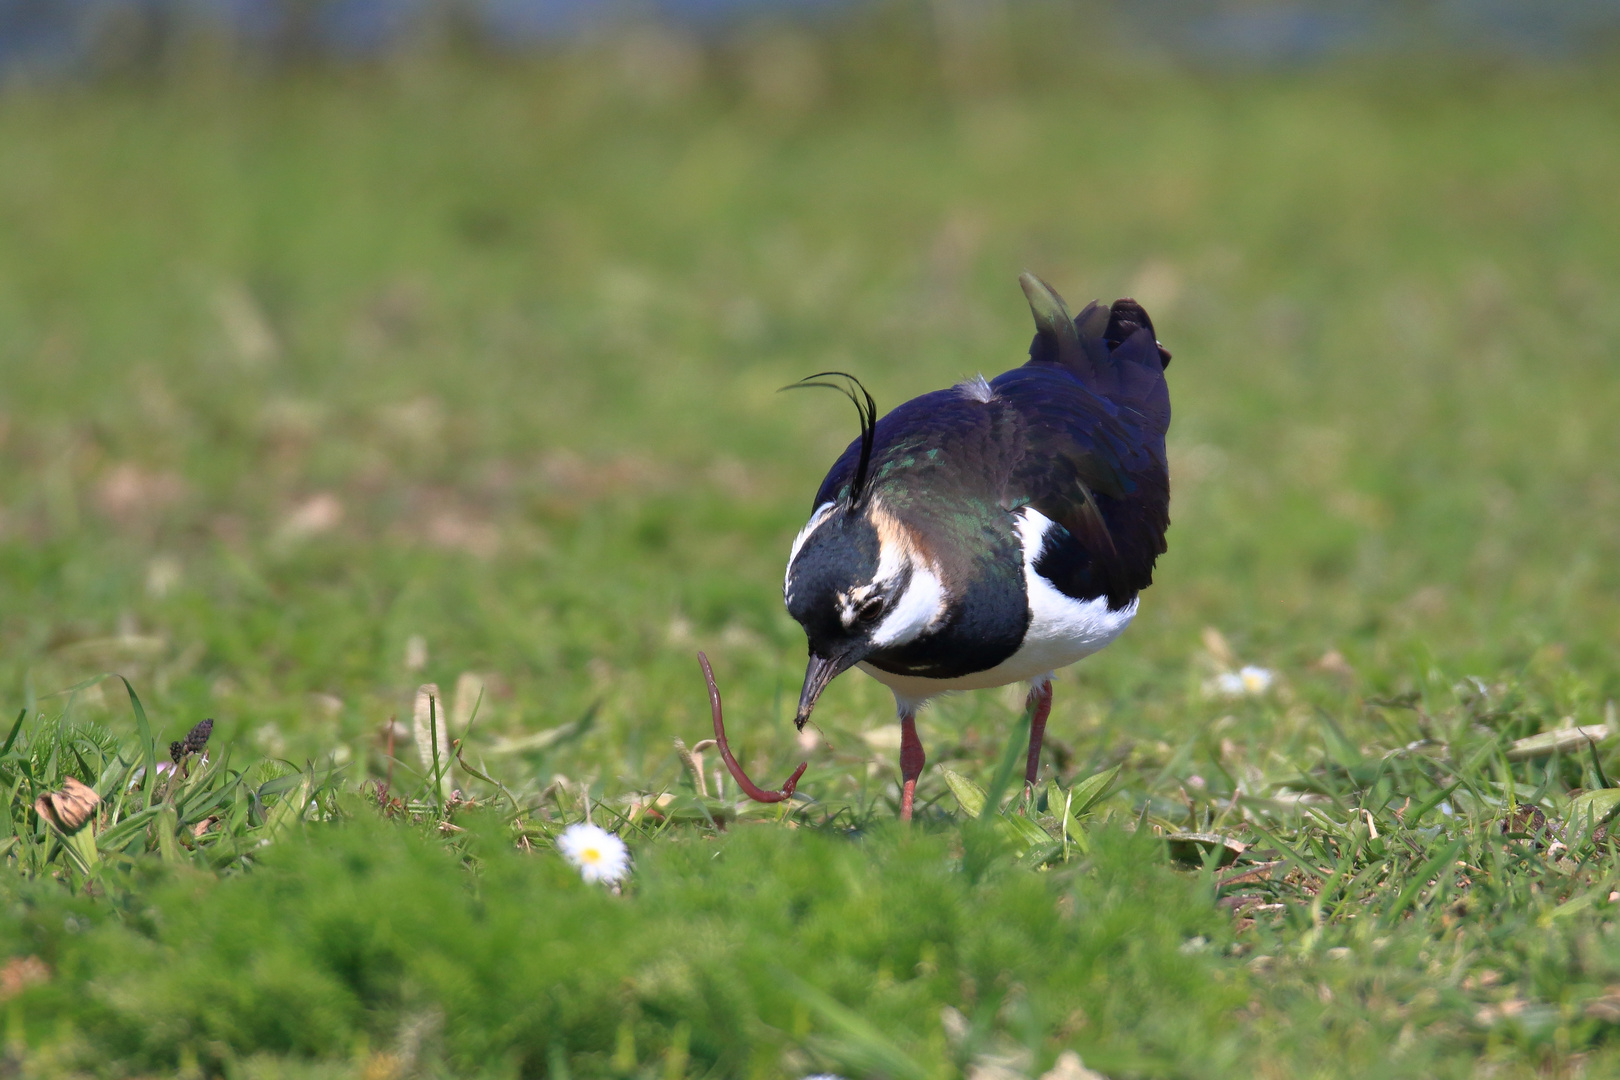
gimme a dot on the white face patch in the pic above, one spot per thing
(816, 519)
(913, 609)
(922, 605)
(919, 609)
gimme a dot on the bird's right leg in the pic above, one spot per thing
(911, 761)
(1039, 704)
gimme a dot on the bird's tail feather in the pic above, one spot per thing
(1113, 350)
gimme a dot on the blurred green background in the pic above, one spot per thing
(482, 351)
(325, 376)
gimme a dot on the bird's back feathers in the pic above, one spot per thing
(1076, 433)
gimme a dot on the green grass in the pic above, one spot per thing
(320, 386)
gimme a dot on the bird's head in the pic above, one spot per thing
(859, 582)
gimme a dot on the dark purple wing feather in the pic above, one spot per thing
(1094, 459)
(1078, 433)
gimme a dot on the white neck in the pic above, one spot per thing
(920, 608)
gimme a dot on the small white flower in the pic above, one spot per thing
(1256, 680)
(1247, 681)
(599, 854)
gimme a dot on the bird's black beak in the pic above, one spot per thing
(816, 677)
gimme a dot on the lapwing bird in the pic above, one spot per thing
(994, 532)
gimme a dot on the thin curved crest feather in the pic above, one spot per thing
(866, 407)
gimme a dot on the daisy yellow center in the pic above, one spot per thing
(590, 855)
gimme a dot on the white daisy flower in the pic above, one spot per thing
(1247, 681)
(599, 854)
(1256, 680)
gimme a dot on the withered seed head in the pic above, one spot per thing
(194, 742)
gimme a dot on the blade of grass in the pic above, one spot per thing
(1003, 779)
(1092, 790)
(433, 733)
(7, 822)
(461, 759)
(1182, 755)
(1352, 888)
(164, 828)
(1293, 856)
(1411, 820)
(862, 1044)
(970, 796)
(194, 810)
(117, 837)
(1419, 880)
(472, 717)
(81, 848)
(22, 714)
(1597, 766)
(143, 732)
(290, 808)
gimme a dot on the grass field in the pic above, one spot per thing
(319, 386)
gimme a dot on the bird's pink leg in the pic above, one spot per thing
(1040, 707)
(911, 762)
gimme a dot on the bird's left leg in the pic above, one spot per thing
(911, 760)
(1039, 705)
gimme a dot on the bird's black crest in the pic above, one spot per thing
(865, 406)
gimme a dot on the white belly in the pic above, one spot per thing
(1061, 631)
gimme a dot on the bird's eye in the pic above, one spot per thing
(869, 611)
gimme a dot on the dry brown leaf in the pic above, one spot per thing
(69, 808)
(21, 972)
